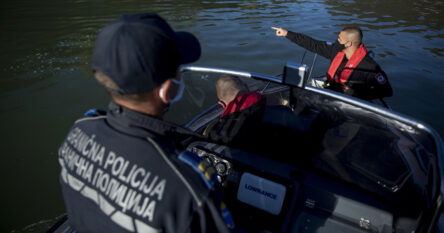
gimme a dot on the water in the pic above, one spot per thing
(46, 82)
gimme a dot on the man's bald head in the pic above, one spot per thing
(353, 34)
(229, 87)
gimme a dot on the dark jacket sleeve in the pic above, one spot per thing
(323, 48)
(206, 214)
(209, 219)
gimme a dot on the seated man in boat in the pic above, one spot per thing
(242, 112)
(234, 95)
(125, 171)
(249, 122)
(352, 70)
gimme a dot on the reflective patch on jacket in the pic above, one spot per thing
(201, 166)
(93, 112)
(380, 78)
(226, 214)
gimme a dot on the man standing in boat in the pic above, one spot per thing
(352, 71)
(125, 170)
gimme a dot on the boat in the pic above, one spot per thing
(326, 163)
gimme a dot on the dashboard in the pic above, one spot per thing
(265, 195)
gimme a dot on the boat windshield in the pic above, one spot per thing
(355, 141)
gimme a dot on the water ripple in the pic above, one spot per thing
(44, 42)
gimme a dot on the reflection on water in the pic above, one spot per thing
(424, 14)
(45, 80)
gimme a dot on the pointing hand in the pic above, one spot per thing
(280, 31)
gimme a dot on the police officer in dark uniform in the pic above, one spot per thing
(124, 171)
(352, 70)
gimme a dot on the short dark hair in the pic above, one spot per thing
(228, 86)
(353, 29)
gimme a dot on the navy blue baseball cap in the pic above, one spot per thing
(140, 51)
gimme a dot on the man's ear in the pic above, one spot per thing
(164, 91)
(351, 43)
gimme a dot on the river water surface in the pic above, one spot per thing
(46, 82)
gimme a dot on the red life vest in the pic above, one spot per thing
(354, 61)
(242, 102)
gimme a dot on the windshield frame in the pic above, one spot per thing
(409, 121)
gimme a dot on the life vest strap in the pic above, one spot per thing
(349, 67)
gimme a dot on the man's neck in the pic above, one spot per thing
(145, 108)
(349, 51)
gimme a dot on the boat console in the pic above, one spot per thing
(323, 162)
(265, 195)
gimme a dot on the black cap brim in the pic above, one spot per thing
(189, 47)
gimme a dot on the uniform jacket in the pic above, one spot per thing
(368, 81)
(121, 173)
